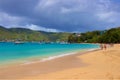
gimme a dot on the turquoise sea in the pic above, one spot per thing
(11, 53)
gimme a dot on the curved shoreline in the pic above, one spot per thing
(48, 66)
(59, 56)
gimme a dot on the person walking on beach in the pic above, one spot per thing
(105, 46)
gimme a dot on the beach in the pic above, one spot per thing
(97, 64)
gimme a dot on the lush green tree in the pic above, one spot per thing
(111, 36)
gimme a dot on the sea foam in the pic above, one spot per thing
(58, 56)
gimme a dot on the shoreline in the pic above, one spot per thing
(59, 56)
(19, 69)
(34, 59)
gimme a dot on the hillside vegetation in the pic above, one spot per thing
(106, 36)
(23, 34)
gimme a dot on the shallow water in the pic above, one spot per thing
(11, 53)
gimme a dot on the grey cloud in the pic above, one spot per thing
(64, 15)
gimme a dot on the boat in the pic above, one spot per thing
(18, 42)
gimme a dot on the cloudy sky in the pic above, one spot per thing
(60, 15)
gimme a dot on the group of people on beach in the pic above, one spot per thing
(103, 46)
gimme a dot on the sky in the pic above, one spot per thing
(60, 15)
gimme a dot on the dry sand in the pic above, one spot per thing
(101, 64)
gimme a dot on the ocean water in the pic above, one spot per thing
(12, 53)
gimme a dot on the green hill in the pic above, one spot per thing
(24, 34)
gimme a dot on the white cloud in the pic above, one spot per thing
(65, 10)
(42, 4)
(109, 16)
(8, 20)
(36, 27)
(13, 21)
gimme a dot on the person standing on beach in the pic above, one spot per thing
(101, 46)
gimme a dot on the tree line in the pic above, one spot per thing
(106, 36)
